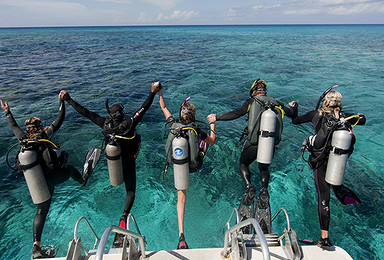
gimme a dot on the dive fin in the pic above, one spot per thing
(308, 241)
(91, 160)
(263, 211)
(345, 195)
(246, 211)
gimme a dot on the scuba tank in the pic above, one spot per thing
(180, 158)
(341, 143)
(34, 176)
(266, 143)
(115, 163)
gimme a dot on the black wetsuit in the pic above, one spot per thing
(52, 177)
(320, 165)
(249, 152)
(129, 148)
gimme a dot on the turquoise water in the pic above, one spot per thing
(216, 66)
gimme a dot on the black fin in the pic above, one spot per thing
(263, 211)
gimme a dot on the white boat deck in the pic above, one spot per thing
(237, 245)
(276, 253)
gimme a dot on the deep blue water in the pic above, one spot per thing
(216, 66)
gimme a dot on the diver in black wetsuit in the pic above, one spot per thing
(257, 98)
(126, 127)
(56, 171)
(325, 120)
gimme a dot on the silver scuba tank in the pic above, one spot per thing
(266, 143)
(115, 163)
(341, 142)
(34, 176)
(180, 156)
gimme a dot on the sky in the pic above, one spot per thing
(40, 13)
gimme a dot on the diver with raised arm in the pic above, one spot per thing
(122, 147)
(185, 148)
(330, 146)
(265, 125)
(44, 166)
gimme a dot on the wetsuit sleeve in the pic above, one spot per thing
(170, 120)
(291, 111)
(235, 113)
(138, 115)
(352, 121)
(15, 127)
(50, 130)
(203, 135)
(304, 118)
(94, 117)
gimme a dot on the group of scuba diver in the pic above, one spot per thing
(44, 165)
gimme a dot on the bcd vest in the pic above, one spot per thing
(189, 131)
(321, 145)
(258, 106)
(48, 157)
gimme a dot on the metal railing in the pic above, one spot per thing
(259, 232)
(90, 227)
(116, 229)
(286, 217)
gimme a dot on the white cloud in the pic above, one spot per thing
(44, 6)
(166, 4)
(144, 18)
(178, 15)
(333, 7)
(116, 1)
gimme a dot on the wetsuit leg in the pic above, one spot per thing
(248, 156)
(39, 220)
(75, 174)
(59, 176)
(129, 169)
(323, 193)
(264, 174)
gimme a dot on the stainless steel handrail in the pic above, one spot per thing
(90, 227)
(116, 229)
(286, 216)
(259, 232)
(235, 211)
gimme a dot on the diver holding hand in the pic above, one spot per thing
(263, 135)
(185, 148)
(44, 167)
(328, 121)
(123, 144)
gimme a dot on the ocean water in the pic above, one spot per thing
(216, 66)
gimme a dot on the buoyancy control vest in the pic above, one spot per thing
(327, 140)
(258, 106)
(115, 134)
(196, 153)
(34, 158)
(49, 155)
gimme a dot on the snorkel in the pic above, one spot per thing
(116, 111)
(323, 95)
(181, 107)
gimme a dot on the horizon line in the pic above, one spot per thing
(180, 25)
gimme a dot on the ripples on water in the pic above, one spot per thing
(215, 66)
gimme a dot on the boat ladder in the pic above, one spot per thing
(129, 251)
(240, 241)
